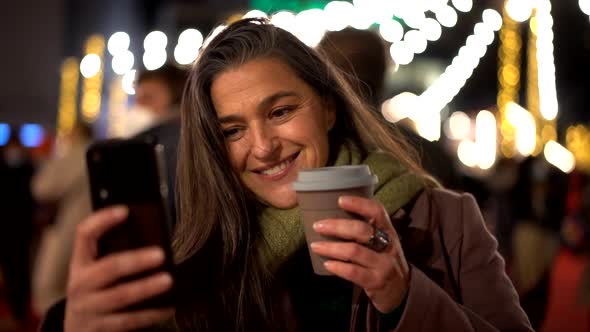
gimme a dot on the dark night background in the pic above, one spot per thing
(37, 35)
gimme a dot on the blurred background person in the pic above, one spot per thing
(62, 180)
(16, 227)
(531, 212)
(157, 102)
(362, 56)
(568, 290)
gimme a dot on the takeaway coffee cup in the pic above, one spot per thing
(318, 191)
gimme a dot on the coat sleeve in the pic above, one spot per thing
(489, 300)
(56, 176)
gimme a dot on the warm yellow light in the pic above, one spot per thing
(485, 139)
(459, 126)
(428, 124)
(578, 142)
(399, 107)
(68, 96)
(525, 127)
(548, 133)
(92, 86)
(559, 157)
(255, 13)
(467, 153)
(90, 65)
(519, 10)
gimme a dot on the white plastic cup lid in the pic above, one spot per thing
(334, 178)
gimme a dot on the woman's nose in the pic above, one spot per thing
(265, 143)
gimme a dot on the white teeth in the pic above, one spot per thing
(278, 168)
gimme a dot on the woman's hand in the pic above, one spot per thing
(93, 303)
(385, 275)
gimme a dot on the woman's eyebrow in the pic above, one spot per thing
(264, 104)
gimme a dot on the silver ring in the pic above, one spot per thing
(379, 241)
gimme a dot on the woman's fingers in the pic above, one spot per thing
(349, 252)
(346, 229)
(90, 230)
(129, 321)
(124, 295)
(366, 207)
(372, 210)
(116, 266)
(361, 276)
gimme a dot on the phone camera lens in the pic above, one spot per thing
(104, 194)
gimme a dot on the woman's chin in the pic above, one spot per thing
(281, 200)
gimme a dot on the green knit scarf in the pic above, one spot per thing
(282, 230)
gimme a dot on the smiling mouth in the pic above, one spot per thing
(278, 167)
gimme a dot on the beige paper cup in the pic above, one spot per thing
(318, 191)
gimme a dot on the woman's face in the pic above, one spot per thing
(274, 125)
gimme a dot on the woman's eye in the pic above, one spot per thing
(281, 112)
(231, 132)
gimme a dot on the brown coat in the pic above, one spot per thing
(445, 231)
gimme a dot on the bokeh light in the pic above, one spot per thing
(458, 126)
(431, 29)
(90, 65)
(213, 34)
(255, 13)
(338, 15)
(416, 41)
(154, 59)
(310, 26)
(192, 37)
(123, 62)
(485, 138)
(4, 133)
(559, 156)
(185, 55)
(467, 153)
(128, 82)
(493, 19)
(446, 16)
(463, 5)
(31, 135)
(284, 20)
(118, 43)
(155, 40)
(401, 53)
(399, 107)
(519, 10)
(391, 30)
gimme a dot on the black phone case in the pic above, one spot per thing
(132, 173)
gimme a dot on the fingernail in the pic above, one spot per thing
(318, 225)
(165, 279)
(120, 211)
(344, 200)
(157, 254)
(327, 264)
(314, 245)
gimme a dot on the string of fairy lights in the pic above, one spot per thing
(409, 27)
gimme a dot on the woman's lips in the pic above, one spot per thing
(279, 170)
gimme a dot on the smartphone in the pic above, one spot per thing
(132, 172)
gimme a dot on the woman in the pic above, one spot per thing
(259, 106)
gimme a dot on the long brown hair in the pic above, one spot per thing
(224, 283)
